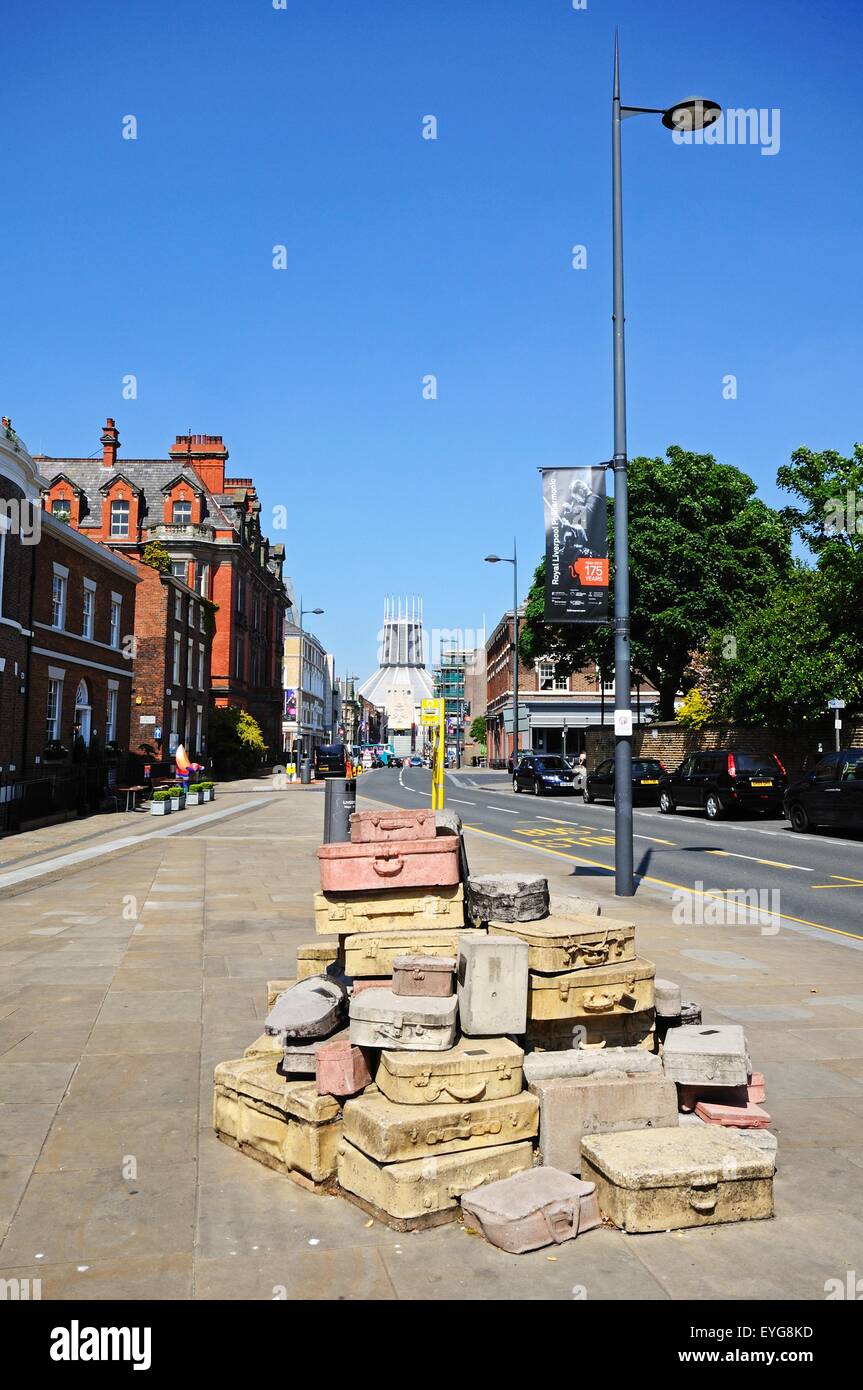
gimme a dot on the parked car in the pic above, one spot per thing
(646, 776)
(330, 761)
(543, 774)
(831, 794)
(514, 759)
(725, 780)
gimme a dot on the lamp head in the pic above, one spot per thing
(692, 113)
(492, 559)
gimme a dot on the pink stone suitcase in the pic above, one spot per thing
(395, 864)
(755, 1093)
(733, 1116)
(374, 982)
(341, 1070)
(423, 975)
(541, 1206)
(376, 827)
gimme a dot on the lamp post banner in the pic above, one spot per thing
(576, 545)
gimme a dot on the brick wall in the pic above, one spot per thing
(670, 742)
(16, 581)
(155, 688)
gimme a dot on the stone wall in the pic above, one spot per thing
(670, 742)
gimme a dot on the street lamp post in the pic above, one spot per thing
(512, 560)
(693, 113)
(298, 755)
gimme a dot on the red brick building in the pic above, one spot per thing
(170, 691)
(210, 526)
(19, 511)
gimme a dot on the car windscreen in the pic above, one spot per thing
(646, 769)
(756, 762)
(552, 765)
(851, 766)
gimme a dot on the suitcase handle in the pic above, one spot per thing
(562, 1221)
(591, 955)
(461, 1131)
(601, 1001)
(387, 865)
(704, 1199)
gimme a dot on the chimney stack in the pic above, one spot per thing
(110, 442)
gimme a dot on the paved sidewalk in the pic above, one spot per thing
(124, 981)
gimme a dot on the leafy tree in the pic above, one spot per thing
(236, 742)
(786, 659)
(477, 729)
(695, 711)
(157, 557)
(830, 522)
(703, 548)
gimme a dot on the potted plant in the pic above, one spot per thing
(55, 751)
(209, 790)
(196, 795)
(178, 798)
(161, 802)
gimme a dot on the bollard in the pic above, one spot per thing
(306, 771)
(340, 802)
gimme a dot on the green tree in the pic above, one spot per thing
(477, 729)
(236, 741)
(703, 548)
(785, 658)
(830, 523)
(157, 557)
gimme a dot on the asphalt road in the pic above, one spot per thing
(815, 880)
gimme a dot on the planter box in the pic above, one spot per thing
(195, 798)
(160, 808)
(178, 803)
(209, 794)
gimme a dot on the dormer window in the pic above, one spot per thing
(119, 519)
(61, 509)
(182, 513)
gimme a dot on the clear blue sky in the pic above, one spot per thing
(408, 257)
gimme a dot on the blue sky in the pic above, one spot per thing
(408, 257)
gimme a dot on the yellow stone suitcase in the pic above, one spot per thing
(425, 1191)
(285, 1125)
(373, 954)
(391, 1133)
(314, 957)
(607, 990)
(569, 943)
(399, 909)
(670, 1179)
(264, 1046)
(605, 1030)
(277, 987)
(475, 1069)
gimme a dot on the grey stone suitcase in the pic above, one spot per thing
(538, 1207)
(380, 1018)
(312, 1008)
(507, 897)
(492, 984)
(572, 1106)
(709, 1055)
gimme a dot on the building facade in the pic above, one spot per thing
(308, 704)
(20, 493)
(401, 681)
(209, 526)
(170, 692)
(555, 709)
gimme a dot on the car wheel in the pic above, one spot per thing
(588, 797)
(666, 805)
(515, 786)
(538, 788)
(713, 806)
(799, 818)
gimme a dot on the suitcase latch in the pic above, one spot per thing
(562, 1221)
(703, 1197)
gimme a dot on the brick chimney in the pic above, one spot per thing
(110, 442)
(206, 454)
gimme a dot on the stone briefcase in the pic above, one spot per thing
(395, 864)
(391, 1133)
(538, 1207)
(427, 1187)
(424, 975)
(606, 991)
(475, 1069)
(669, 1179)
(284, 1125)
(561, 944)
(389, 910)
(375, 954)
(380, 1018)
(374, 827)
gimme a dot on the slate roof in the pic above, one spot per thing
(150, 475)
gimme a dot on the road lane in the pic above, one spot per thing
(812, 879)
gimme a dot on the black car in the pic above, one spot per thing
(330, 761)
(725, 780)
(539, 775)
(647, 774)
(831, 794)
(514, 759)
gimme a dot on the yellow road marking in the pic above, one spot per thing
(646, 878)
(846, 882)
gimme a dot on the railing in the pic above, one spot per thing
(53, 788)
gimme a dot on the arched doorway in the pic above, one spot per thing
(83, 713)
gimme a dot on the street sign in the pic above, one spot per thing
(431, 712)
(623, 723)
(523, 718)
(835, 704)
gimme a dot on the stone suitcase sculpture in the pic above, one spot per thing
(669, 1179)
(312, 1008)
(314, 958)
(380, 1018)
(558, 944)
(475, 1069)
(532, 1209)
(389, 910)
(571, 1107)
(423, 975)
(598, 1031)
(632, 1061)
(569, 905)
(507, 897)
(710, 1055)
(284, 1125)
(425, 1191)
(607, 990)
(391, 1133)
(374, 954)
(747, 1116)
(492, 984)
(374, 827)
(300, 1055)
(402, 863)
(340, 1069)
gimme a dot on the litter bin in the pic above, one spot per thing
(306, 771)
(340, 802)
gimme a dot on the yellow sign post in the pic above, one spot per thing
(432, 715)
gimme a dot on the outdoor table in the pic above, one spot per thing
(130, 792)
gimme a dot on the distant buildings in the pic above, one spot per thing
(401, 681)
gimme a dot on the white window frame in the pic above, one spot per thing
(111, 712)
(178, 606)
(116, 620)
(175, 664)
(174, 732)
(190, 662)
(200, 665)
(113, 530)
(184, 503)
(5, 525)
(181, 566)
(63, 504)
(56, 676)
(88, 612)
(59, 585)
